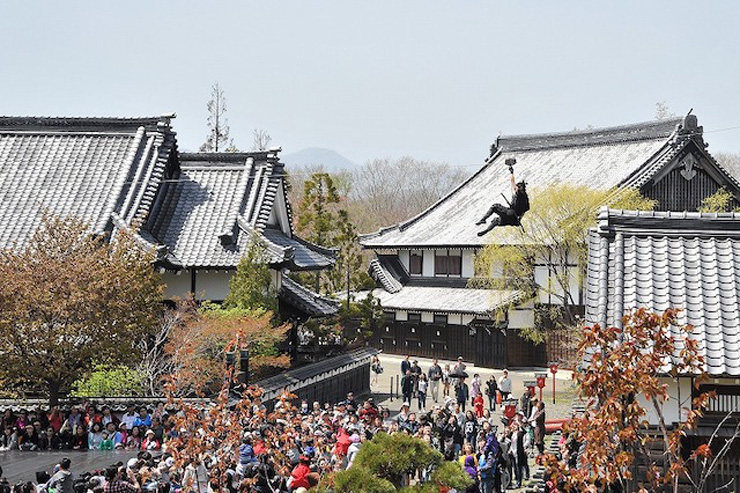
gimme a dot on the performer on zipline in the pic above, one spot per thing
(511, 215)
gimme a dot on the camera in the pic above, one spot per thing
(510, 161)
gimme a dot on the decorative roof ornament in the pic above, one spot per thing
(688, 163)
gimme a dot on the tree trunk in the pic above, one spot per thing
(53, 393)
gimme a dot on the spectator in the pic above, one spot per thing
(475, 387)
(80, 440)
(144, 420)
(407, 387)
(134, 439)
(376, 368)
(116, 484)
(405, 365)
(422, 392)
(62, 480)
(463, 393)
(95, 437)
(446, 381)
(491, 390)
(504, 385)
(150, 441)
(129, 417)
(435, 376)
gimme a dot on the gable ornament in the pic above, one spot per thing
(688, 163)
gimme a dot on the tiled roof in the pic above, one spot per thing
(306, 300)
(298, 378)
(661, 260)
(389, 272)
(600, 158)
(206, 216)
(444, 300)
(304, 255)
(92, 168)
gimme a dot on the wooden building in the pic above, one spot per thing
(423, 265)
(198, 211)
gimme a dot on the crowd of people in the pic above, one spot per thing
(85, 428)
(292, 447)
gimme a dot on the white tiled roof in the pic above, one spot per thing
(444, 299)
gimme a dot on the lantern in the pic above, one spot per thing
(541, 379)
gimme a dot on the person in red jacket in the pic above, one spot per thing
(300, 474)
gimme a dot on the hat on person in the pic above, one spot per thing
(149, 431)
(132, 463)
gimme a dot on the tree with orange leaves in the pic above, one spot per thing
(624, 374)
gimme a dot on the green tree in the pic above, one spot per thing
(324, 220)
(554, 235)
(251, 288)
(720, 201)
(70, 298)
(109, 381)
(218, 125)
(387, 460)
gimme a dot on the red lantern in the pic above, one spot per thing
(541, 378)
(510, 408)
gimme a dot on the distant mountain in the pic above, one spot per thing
(331, 160)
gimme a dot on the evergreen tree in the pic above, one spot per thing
(251, 288)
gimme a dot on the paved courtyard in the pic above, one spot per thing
(564, 391)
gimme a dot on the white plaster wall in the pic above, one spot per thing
(466, 319)
(428, 264)
(672, 406)
(541, 274)
(468, 263)
(427, 317)
(212, 285)
(402, 315)
(521, 318)
(176, 286)
(454, 319)
(403, 256)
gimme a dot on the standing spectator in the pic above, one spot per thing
(129, 417)
(415, 372)
(475, 387)
(62, 481)
(478, 405)
(539, 427)
(463, 393)
(459, 367)
(422, 392)
(435, 376)
(376, 368)
(519, 446)
(472, 471)
(470, 428)
(525, 403)
(504, 385)
(446, 381)
(407, 387)
(55, 419)
(405, 365)
(491, 389)
(486, 467)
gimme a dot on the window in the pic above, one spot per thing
(440, 319)
(448, 265)
(414, 317)
(389, 316)
(416, 261)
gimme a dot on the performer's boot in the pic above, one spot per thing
(494, 222)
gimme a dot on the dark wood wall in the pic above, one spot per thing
(484, 345)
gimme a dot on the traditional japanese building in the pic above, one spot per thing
(684, 260)
(424, 264)
(199, 211)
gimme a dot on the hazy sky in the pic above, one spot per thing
(435, 80)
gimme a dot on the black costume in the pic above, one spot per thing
(508, 216)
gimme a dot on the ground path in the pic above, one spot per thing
(22, 465)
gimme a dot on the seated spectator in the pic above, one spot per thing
(108, 417)
(50, 440)
(29, 439)
(134, 439)
(79, 440)
(150, 441)
(129, 417)
(144, 419)
(95, 437)
(107, 442)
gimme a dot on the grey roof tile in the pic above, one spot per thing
(444, 300)
(689, 261)
(86, 167)
(306, 300)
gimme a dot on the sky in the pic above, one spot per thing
(430, 79)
